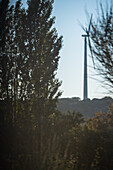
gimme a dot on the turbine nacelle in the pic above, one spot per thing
(85, 35)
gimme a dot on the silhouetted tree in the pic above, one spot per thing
(41, 52)
(3, 57)
(29, 61)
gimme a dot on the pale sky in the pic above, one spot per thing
(68, 14)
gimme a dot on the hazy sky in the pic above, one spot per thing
(68, 14)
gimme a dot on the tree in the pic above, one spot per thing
(28, 83)
(42, 45)
(31, 50)
(10, 58)
(101, 44)
(3, 57)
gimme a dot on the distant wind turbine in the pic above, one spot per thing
(85, 87)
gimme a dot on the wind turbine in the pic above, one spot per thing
(85, 88)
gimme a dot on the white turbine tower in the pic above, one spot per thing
(85, 88)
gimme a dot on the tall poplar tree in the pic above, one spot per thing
(41, 53)
(3, 57)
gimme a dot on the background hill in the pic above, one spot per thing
(87, 107)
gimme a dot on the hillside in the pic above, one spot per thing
(87, 107)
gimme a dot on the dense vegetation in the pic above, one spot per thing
(67, 142)
(33, 134)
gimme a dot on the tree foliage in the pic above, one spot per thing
(29, 54)
(100, 32)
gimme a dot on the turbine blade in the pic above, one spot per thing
(90, 47)
(90, 23)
